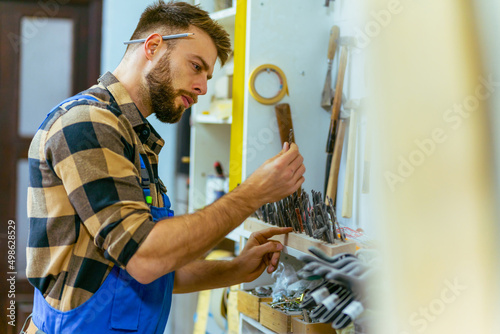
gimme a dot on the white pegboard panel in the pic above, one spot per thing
(299, 47)
(293, 35)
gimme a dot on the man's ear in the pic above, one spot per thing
(152, 44)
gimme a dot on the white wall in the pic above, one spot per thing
(298, 45)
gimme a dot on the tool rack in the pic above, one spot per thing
(301, 242)
(293, 35)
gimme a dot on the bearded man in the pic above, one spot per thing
(105, 252)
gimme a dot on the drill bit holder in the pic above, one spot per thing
(301, 241)
(313, 220)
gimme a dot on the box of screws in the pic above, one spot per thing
(249, 301)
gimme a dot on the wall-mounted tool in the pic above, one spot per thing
(285, 124)
(333, 175)
(337, 100)
(327, 3)
(367, 158)
(352, 106)
(328, 93)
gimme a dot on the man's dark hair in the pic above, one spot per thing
(176, 17)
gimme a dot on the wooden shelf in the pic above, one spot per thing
(298, 244)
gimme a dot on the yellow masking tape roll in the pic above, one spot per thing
(283, 84)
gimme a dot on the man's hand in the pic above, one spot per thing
(278, 177)
(161, 253)
(259, 253)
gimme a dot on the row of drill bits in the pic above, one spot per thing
(317, 220)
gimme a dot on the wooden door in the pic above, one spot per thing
(49, 50)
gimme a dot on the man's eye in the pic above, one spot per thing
(197, 67)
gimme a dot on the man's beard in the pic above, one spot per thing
(162, 93)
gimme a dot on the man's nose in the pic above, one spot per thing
(201, 86)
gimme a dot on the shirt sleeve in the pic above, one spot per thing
(92, 149)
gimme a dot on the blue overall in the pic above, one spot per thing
(121, 304)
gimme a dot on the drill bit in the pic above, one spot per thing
(319, 233)
(297, 211)
(264, 213)
(332, 221)
(341, 231)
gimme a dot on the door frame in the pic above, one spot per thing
(87, 18)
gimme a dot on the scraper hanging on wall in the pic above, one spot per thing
(334, 125)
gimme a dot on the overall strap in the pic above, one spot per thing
(69, 99)
(158, 213)
(145, 181)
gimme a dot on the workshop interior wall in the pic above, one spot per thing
(294, 35)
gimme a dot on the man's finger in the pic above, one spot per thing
(270, 246)
(286, 148)
(272, 231)
(289, 155)
(273, 263)
(275, 257)
(268, 259)
(299, 171)
(299, 182)
(297, 162)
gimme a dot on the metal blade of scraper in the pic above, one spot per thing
(328, 93)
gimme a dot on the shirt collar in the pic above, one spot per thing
(130, 111)
(122, 98)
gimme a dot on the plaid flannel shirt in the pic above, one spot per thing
(86, 205)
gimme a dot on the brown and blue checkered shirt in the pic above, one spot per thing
(86, 205)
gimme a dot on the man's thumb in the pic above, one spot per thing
(286, 147)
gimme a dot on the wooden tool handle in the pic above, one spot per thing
(284, 118)
(332, 44)
(349, 167)
(331, 190)
(331, 136)
(337, 100)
